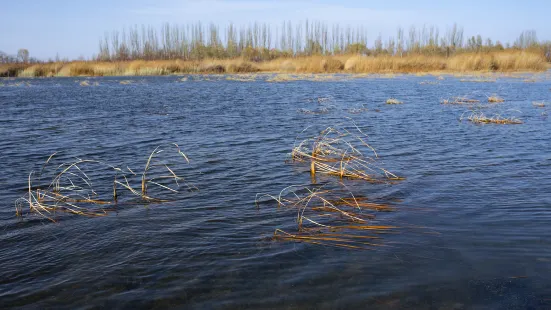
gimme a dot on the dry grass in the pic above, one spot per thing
(459, 100)
(393, 101)
(339, 152)
(330, 217)
(479, 118)
(71, 190)
(495, 99)
(506, 61)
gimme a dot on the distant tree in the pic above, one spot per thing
(356, 48)
(23, 55)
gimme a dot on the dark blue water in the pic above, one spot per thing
(476, 199)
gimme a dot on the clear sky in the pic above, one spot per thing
(73, 27)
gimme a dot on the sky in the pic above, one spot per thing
(73, 28)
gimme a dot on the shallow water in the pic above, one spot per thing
(476, 200)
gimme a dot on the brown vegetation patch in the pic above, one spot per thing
(340, 152)
(70, 189)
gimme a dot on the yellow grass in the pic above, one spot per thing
(506, 61)
(393, 101)
(495, 99)
(330, 217)
(70, 188)
(480, 118)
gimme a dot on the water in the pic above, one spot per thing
(478, 196)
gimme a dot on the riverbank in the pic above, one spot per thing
(506, 61)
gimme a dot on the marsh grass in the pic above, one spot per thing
(459, 100)
(504, 61)
(70, 186)
(341, 152)
(478, 117)
(479, 80)
(393, 101)
(495, 99)
(327, 217)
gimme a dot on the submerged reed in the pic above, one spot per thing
(341, 152)
(71, 190)
(330, 217)
(495, 99)
(393, 101)
(459, 100)
(479, 118)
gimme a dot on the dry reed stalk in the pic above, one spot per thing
(393, 101)
(479, 118)
(71, 188)
(328, 217)
(539, 104)
(339, 152)
(459, 100)
(495, 99)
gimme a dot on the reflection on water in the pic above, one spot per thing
(475, 198)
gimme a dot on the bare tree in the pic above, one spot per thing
(23, 55)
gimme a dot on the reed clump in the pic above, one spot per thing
(495, 99)
(480, 118)
(70, 186)
(393, 101)
(341, 152)
(330, 217)
(459, 100)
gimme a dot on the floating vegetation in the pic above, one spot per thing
(322, 110)
(126, 82)
(480, 80)
(242, 77)
(339, 152)
(539, 104)
(84, 83)
(357, 110)
(330, 217)
(495, 99)
(284, 77)
(478, 117)
(324, 99)
(393, 101)
(459, 100)
(429, 83)
(72, 185)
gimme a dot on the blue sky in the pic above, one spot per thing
(73, 27)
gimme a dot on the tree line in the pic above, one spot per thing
(262, 41)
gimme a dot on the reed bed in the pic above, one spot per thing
(478, 117)
(72, 184)
(341, 152)
(505, 61)
(326, 217)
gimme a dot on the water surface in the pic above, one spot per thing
(478, 195)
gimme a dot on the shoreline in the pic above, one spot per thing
(475, 63)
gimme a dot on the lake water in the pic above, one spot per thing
(475, 207)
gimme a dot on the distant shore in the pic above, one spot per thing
(505, 61)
